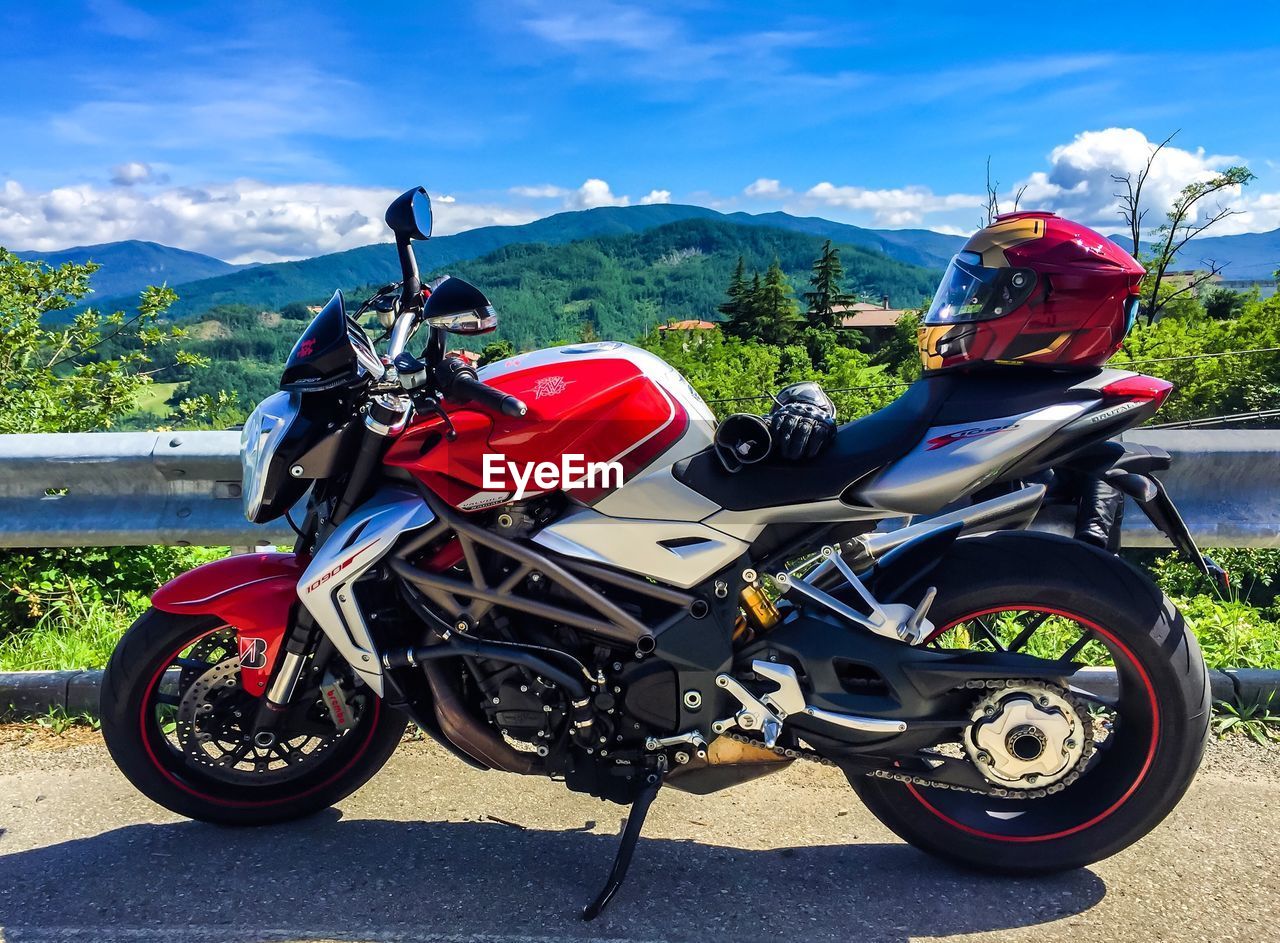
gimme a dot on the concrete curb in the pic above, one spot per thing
(27, 694)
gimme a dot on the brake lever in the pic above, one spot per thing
(426, 403)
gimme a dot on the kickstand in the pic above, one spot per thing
(626, 847)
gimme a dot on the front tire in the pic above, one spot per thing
(1161, 722)
(150, 670)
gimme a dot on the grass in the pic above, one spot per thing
(1254, 719)
(153, 400)
(1232, 634)
(57, 721)
(77, 637)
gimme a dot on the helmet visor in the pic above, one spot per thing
(971, 291)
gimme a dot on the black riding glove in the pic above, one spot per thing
(803, 423)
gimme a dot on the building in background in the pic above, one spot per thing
(870, 318)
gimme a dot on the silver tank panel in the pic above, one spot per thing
(680, 553)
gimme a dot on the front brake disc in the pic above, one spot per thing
(214, 727)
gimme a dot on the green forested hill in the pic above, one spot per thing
(618, 287)
(622, 286)
(272, 286)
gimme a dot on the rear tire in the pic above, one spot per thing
(1153, 652)
(140, 747)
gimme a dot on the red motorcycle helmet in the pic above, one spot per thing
(1032, 288)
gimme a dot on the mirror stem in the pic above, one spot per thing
(411, 288)
(433, 354)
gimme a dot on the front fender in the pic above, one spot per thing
(252, 592)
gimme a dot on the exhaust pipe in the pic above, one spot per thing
(468, 734)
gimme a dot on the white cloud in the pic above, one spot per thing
(544, 191)
(616, 41)
(251, 221)
(1079, 181)
(895, 207)
(765, 187)
(595, 192)
(133, 172)
(241, 221)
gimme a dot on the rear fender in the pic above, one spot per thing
(252, 592)
(904, 571)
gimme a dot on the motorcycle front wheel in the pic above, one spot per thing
(178, 724)
(1140, 743)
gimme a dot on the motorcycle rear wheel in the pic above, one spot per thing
(154, 670)
(1152, 736)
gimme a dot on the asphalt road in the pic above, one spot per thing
(419, 854)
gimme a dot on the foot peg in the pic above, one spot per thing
(767, 712)
(627, 846)
(917, 629)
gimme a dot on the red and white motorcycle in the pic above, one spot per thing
(547, 569)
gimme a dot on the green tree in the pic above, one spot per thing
(744, 323)
(776, 312)
(85, 375)
(497, 350)
(1221, 304)
(1184, 221)
(735, 294)
(826, 291)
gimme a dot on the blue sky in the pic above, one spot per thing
(264, 130)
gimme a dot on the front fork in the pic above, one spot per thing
(384, 420)
(304, 639)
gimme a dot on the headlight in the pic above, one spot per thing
(264, 430)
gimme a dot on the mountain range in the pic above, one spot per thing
(276, 284)
(129, 266)
(207, 281)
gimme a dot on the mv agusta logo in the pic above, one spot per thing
(550, 386)
(961, 435)
(306, 347)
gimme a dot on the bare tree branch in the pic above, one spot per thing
(993, 198)
(1131, 209)
(1180, 227)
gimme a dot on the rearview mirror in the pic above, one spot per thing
(459, 308)
(409, 214)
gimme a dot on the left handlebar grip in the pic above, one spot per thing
(477, 391)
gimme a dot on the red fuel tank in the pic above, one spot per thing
(589, 403)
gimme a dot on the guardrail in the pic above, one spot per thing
(131, 489)
(100, 489)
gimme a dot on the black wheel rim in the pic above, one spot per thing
(220, 768)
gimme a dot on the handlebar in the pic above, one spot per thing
(401, 332)
(469, 388)
(455, 380)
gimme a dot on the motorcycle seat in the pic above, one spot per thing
(860, 447)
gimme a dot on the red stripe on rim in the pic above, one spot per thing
(234, 803)
(1142, 774)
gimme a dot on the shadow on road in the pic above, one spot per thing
(331, 879)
